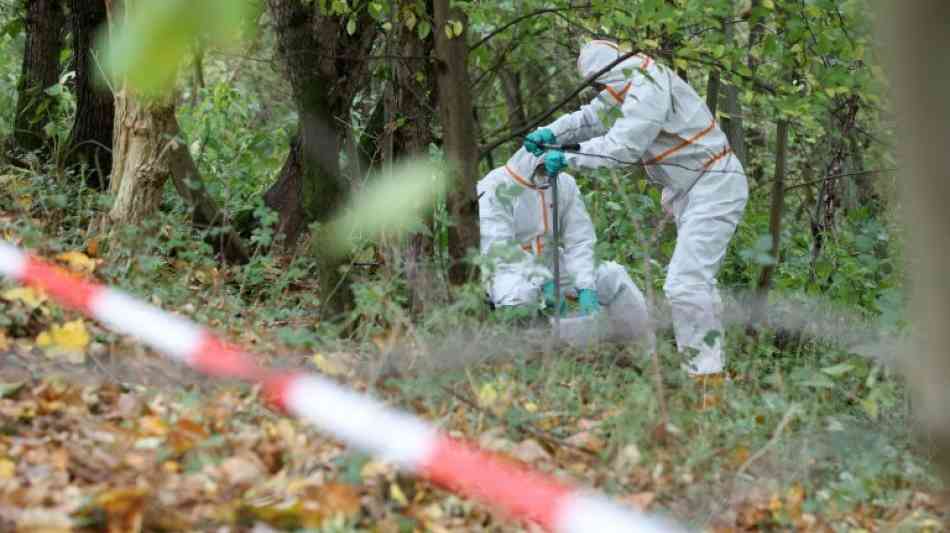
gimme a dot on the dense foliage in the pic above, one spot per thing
(809, 431)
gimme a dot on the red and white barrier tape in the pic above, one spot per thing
(409, 442)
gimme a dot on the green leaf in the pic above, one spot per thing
(871, 407)
(423, 29)
(838, 370)
(150, 42)
(9, 389)
(819, 381)
(393, 202)
(350, 27)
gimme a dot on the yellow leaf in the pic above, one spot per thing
(69, 340)
(487, 395)
(531, 407)
(396, 494)
(28, 295)
(153, 425)
(768, 4)
(7, 469)
(24, 201)
(328, 366)
(77, 262)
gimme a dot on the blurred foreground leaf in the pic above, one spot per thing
(153, 38)
(392, 204)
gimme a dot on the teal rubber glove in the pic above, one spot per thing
(590, 305)
(535, 139)
(554, 162)
(549, 297)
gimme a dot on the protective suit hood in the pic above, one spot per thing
(597, 54)
(523, 165)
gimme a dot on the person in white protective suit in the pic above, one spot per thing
(516, 224)
(664, 125)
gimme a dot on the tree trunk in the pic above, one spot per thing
(90, 141)
(511, 87)
(326, 68)
(205, 213)
(924, 121)
(459, 143)
(760, 304)
(830, 191)
(143, 131)
(414, 101)
(44, 42)
(712, 91)
(732, 124)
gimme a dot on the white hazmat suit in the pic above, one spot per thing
(516, 225)
(666, 125)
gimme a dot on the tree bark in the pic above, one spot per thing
(414, 101)
(830, 191)
(459, 143)
(90, 141)
(511, 87)
(326, 68)
(760, 305)
(143, 131)
(44, 42)
(732, 124)
(924, 122)
(712, 91)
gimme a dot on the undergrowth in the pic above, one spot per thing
(803, 433)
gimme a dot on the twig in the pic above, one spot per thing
(524, 17)
(651, 305)
(840, 176)
(530, 430)
(789, 415)
(786, 419)
(544, 116)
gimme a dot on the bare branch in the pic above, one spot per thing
(547, 114)
(523, 18)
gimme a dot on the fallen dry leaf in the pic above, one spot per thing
(7, 469)
(239, 470)
(329, 365)
(640, 500)
(628, 457)
(77, 262)
(33, 298)
(587, 440)
(530, 451)
(67, 341)
(124, 508)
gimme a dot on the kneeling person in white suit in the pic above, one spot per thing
(515, 209)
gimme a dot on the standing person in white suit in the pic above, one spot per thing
(515, 213)
(667, 127)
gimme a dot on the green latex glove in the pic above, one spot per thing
(590, 305)
(550, 299)
(535, 139)
(554, 162)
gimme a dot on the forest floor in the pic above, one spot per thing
(98, 433)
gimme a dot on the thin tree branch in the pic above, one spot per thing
(517, 20)
(840, 176)
(547, 114)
